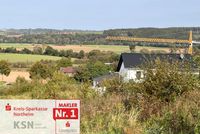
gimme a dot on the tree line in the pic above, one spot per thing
(104, 56)
(52, 37)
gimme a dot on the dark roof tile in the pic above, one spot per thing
(132, 60)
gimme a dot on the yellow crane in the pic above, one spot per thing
(156, 40)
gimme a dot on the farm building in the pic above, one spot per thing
(70, 71)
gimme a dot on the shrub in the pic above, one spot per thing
(197, 128)
(41, 70)
(19, 87)
(106, 114)
(179, 117)
(166, 81)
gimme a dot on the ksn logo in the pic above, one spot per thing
(8, 107)
(65, 113)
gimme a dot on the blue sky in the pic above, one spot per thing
(98, 14)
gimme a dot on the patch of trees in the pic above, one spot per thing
(97, 55)
(91, 70)
(64, 62)
(60, 39)
(39, 70)
(11, 32)
(42, 69)
(176, 33)
(84, 73)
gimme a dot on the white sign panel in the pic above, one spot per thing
(39, 117)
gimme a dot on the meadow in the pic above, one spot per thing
(16, 45)
(28, 58)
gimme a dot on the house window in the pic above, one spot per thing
(138, 75)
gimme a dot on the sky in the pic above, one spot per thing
(98, 14)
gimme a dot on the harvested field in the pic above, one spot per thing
(13, 76)
(88, 48)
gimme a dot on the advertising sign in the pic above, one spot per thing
(39, 116)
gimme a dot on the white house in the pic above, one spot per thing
(129, 63)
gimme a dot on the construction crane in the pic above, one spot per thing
(157, 40)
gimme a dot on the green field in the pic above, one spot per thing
(13, 58)
(15, 45)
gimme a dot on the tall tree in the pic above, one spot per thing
(50, 51)
(81, 54)
(40, 70)
(64, 62)
(4, 68)
(132, 48)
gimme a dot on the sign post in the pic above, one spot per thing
(40, 116)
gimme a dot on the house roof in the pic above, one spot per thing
(133, 60)
(67, 70)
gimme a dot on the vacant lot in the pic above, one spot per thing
(13, 58)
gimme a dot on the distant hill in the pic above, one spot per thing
(174, 32)
(62, 37)
(45, 31)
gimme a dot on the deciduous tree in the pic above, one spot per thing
(4, 68)
(40, 70)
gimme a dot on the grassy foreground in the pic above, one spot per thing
(166, 102)
(13, 58)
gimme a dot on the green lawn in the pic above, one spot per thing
(25, 57)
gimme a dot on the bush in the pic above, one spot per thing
(179, 117)
(197, 128)
(106, 114)
(19, 87)
(41, 70)
(172, 123)
(64, 62)
(20, 65)
(166, 81)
